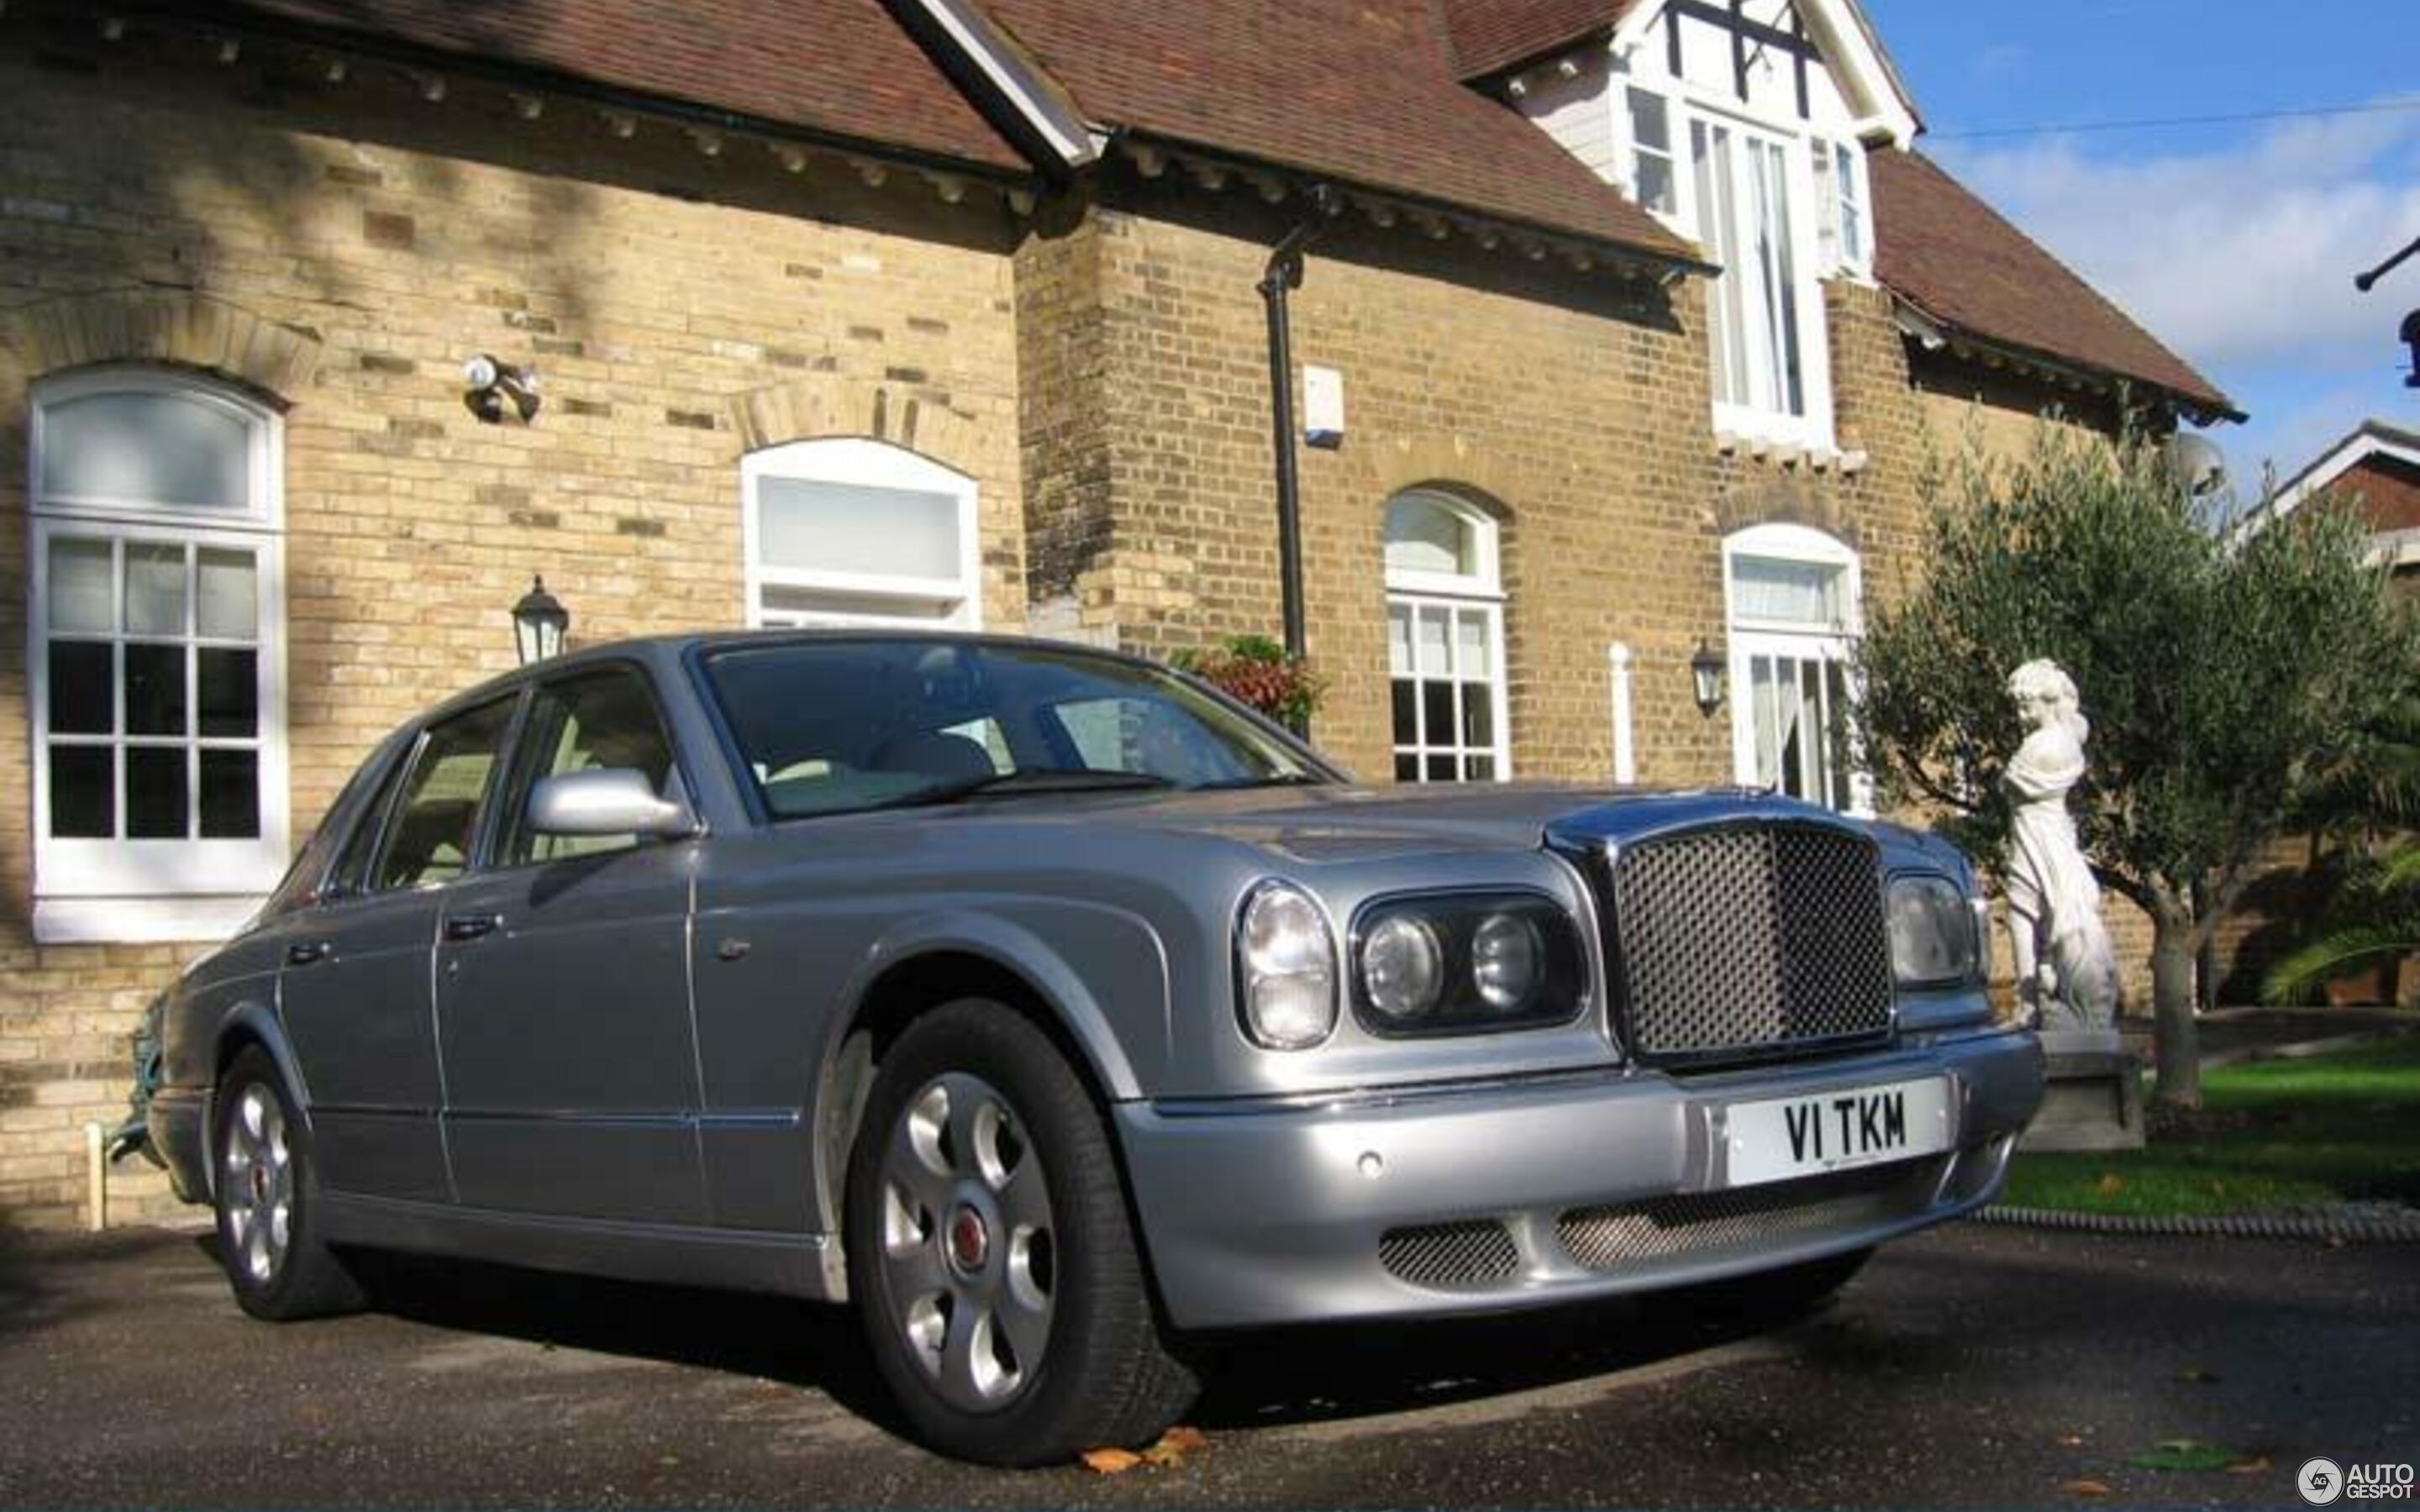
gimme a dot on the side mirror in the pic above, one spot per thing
(610, 800)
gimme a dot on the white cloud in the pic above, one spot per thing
(2234, 256)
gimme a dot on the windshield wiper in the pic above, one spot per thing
(1030, 780)
(1275, 779)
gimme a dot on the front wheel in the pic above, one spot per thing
(264, 1188)
(990, 1253)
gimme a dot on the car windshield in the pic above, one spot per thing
(841, 726)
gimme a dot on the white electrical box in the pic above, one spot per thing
(1323, 407)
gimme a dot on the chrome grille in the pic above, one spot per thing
(1703, 1223)
(1454, 1256)
(1750, 941)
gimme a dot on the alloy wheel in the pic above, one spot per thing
(256, 1186)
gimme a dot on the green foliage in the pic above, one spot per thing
(2221, 676)
(1256, 671)
(2373, 915)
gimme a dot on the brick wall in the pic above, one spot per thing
(346, 248)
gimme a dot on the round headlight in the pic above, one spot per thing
(1403, 969)
(1933, 937)
(1506, 960)
(1287, 964)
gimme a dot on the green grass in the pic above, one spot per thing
(2337, 1128)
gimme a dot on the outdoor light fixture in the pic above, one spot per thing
(2410, 335)
(539, 621)
(1706, 672)
(493, 384)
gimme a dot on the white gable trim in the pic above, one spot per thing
(1016, 80)
(2372, 440)
(1850, 50)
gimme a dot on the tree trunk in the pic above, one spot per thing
(2176, 1035)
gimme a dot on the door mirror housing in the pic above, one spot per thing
(608, 800)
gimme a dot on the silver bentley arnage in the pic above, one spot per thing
(1047, 1007)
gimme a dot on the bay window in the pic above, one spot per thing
(156, 658)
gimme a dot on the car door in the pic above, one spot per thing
(354, 989)
(563, 986)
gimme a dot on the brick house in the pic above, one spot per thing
(1643, 315)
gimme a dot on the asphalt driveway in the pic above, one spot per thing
(1973, 1367)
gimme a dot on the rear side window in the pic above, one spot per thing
(353, 866)
(592, 722)
(429, 840)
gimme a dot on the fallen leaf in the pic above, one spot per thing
(2194, 1375)
(2071, 1441)
(2084, 1488)
(1185, 1440)
(2257, 1465)
(2110, 1184)
(2183, 1454)
(1109, 1461)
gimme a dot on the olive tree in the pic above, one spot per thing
(2221, 675)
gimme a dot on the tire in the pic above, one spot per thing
(265, 1188)
(991, 1255)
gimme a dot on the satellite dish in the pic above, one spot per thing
(2198, 461)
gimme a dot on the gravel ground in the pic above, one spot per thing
(1969, 1367)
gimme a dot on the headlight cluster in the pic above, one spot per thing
(1285, 965)
(1459, 964)
(1935, 940)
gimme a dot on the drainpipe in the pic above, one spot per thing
(1285, 276)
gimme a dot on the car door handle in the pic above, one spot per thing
(308, 953)
(472, 926)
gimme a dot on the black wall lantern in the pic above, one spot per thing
(1706, 673)
(2411, 339)
(539, 621)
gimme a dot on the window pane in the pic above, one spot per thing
(1408, 726)
(155, 690)
(1426, 536)
(1471, 656)
(230, 692)
(1799, 593)
(1655, 182)
(1480, 768)
(155, 794)
(791, 606)
(80, 688)
(1407, 768)
(146, 448)
(833, 527)
(1432, 657)
(601, 721)
(155, 587)
(1441, 769)
(1437, 708)
(230, 594)
(230, 794)
(1649, 121)
(1478, 715)
(81, 806)
(1399, 639)
(430, 838)
(80, 591)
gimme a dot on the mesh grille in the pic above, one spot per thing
(1697, 1223)
(1747, 941)
(1450, 1256)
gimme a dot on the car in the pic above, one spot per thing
(1054, 1011)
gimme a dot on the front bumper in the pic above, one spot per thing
(179, 1120)
(1481, 1198)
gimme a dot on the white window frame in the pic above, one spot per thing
(857, 461)
(89, 890)
(1480, 592)
(1757, 420)
(1750, 637)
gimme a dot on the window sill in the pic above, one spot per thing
(141, 921)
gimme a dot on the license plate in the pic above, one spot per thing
(1773, 1141)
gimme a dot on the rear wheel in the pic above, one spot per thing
(991, 1255)
(264, 1189)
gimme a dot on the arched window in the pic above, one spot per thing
(1445, 640)
(157, 657)
(856, 531)
(1795, 610)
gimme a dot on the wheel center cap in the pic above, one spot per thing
(970, 1240)
(260, 1184)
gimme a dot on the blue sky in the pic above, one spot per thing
(2234, 243)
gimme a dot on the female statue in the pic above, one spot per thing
(2063, 957)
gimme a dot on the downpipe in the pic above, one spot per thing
(1282, 278)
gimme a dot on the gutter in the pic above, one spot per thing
(1934, 333)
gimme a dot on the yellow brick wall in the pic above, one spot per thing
(676, 313)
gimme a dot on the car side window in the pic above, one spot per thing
(352, 872)
(429, 839)
(589, 722)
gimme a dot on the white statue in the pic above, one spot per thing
(2063, 958)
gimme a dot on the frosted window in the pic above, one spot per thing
(80, 587)
(1399, 639)
(230, 594)
(847, 528)
(147, 449)
(155, 589)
